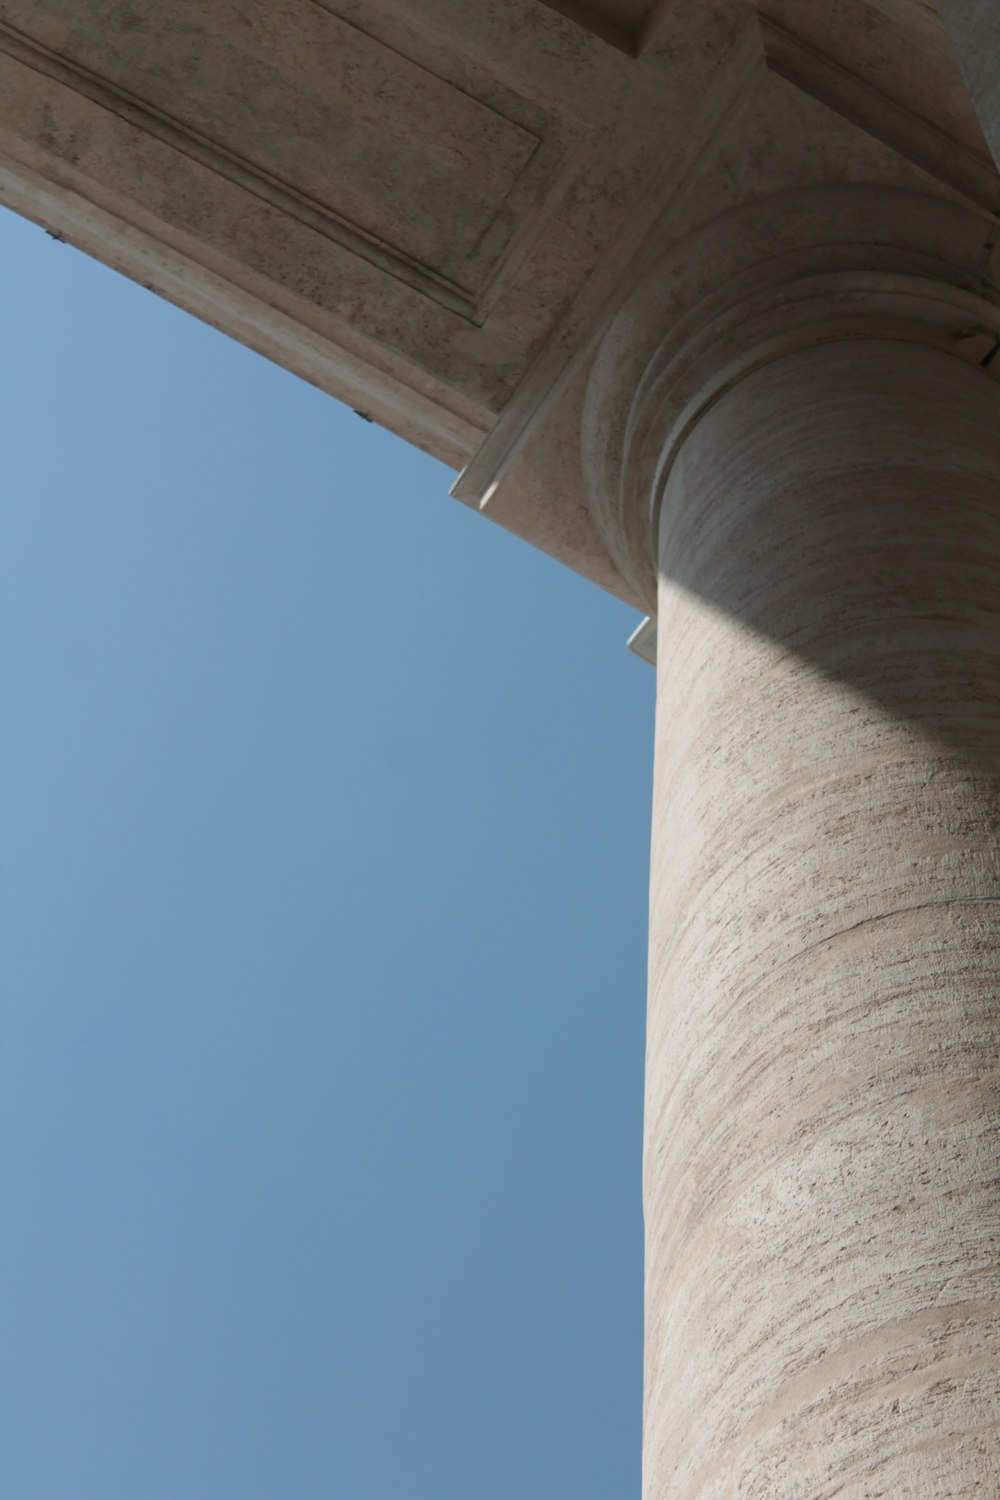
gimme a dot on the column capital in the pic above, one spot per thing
(717, 349)
(661, 365)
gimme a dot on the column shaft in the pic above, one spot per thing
(821, 1161)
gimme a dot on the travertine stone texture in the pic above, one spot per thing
(436, 210)
(974, 33)
(822, 1175)
(518, 233)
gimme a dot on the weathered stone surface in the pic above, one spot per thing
(434, 211)
(742, 261)
(823, 1096)
(974, 33)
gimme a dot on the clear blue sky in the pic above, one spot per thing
(324, 859)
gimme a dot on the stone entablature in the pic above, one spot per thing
(436, 211)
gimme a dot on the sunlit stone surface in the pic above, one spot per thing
(702, 300)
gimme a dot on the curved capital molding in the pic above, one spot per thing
(811, 311)
(874, 269)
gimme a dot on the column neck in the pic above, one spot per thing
(747, 324)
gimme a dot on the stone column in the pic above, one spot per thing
(822, 1174)
(973, 28)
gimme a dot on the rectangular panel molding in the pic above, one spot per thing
(375, 150)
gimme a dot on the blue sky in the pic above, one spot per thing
(322, 922)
